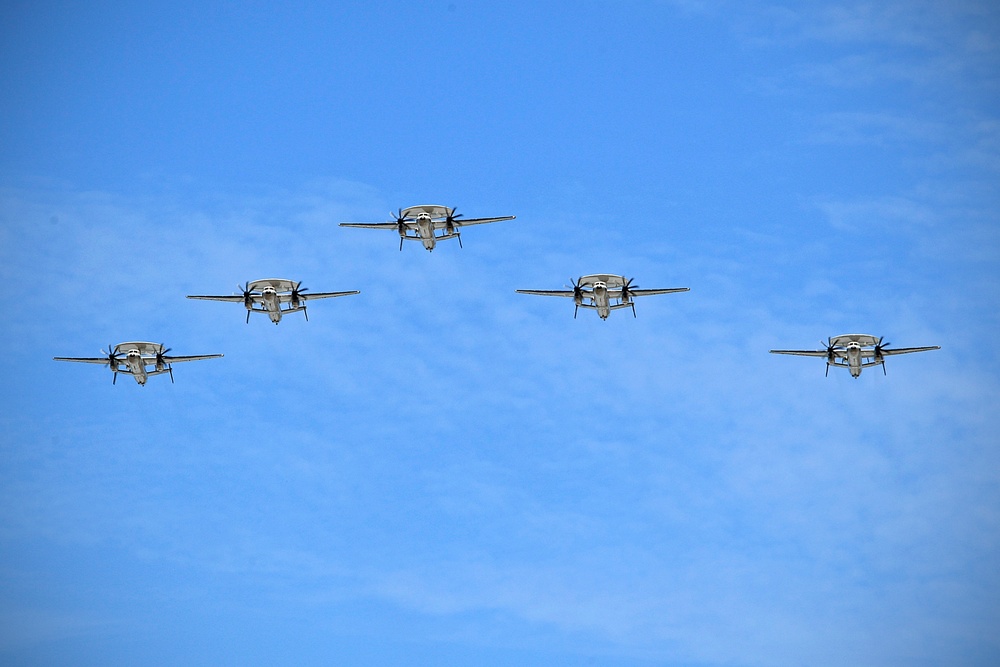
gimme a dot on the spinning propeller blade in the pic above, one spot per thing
(400, 226)
(247, 299)
(452, 216)
(878, 353)
(577, 295)
(829, 355)
(627, 287)
(112, 361)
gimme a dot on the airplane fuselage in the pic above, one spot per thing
(855, 358)
(271, 303)
(600, 299)
(424, 225)
(425, 228)
(136, 366)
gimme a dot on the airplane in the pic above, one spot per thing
(133, 358)
(855, 352)
(605, 291)
(267, 295)
(424, 221)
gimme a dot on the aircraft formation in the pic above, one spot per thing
(430, 224)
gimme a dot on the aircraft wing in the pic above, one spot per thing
(907, 350)
(802, 353)
(370, 225)
(85, 360)
(651, 292)
(546, 292)
(482, 221)
(236, 298)
(320, 295)
(195, 357)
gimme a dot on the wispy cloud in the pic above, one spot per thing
(446, 447)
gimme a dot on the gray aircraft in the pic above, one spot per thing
(268, 295)
(855, 352)
(603, 292)
(133, 359)
(421, 223)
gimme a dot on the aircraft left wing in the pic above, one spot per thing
(802, 353)
(84, 360)
(907, 350)
(194, 357)
(651, 292)
(546, 292)
(371, 225)
(236, 298)
(482, 221)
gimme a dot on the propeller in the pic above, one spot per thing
(878, 352)
(247, 299)
(298, 297)
(626, 296)
(401, 221)
(112, 362)
(830, 347)
(297, 294)
(450, 221)
(577, 295)
(161, 363)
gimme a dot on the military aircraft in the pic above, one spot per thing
(855, 352)
(603, 292)
(424, 221)
(133, 358)
(267, 296)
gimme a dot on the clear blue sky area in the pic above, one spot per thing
(440, 471)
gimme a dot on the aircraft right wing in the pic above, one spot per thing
(651, 292)
(195, 357)
(320, 295)
(546, 292)
(372, 225)
(481, 221)
(85, 360)
(802, 353)
(907, 350)
(236, 298)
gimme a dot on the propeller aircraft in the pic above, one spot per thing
(268, 295)
(421, 223)
(855, 352)
(133, 359)
(603, 292)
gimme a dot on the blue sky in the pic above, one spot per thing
(440, 471)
